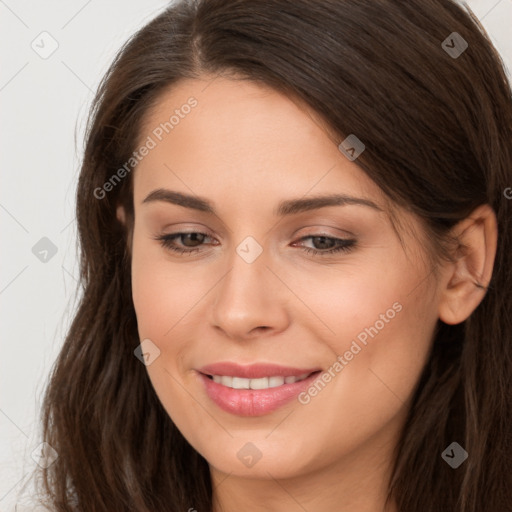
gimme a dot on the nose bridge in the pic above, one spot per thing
(248, 296)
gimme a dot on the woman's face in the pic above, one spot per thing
(252, 300)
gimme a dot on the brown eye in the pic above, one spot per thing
(191, 239)
(325, 245)
(190, 242)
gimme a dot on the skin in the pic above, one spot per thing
(245, 148)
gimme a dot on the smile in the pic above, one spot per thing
(253, 390)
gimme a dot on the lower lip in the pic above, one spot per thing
(254, 402)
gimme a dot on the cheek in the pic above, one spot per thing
(343, 300)
(375, 367)
(163, 293)
(167, 299)
(163, 300)
(380, 321)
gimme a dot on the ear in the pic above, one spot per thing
(127, 225)
(465, 281)
(121, 215)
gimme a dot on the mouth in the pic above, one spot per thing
(253, 390)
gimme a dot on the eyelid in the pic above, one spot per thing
(321, 230)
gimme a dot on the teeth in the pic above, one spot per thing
(240, 383)
(226, 381)
(273, 382)
(262, 383)
(258, 383)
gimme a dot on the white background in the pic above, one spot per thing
(44, 103)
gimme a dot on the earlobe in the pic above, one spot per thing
(467, 278)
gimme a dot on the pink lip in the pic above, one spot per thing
(253, 402)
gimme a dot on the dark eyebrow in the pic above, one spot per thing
(288, 207)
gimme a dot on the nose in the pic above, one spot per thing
(250, 300)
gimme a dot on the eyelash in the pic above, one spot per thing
(167, 241)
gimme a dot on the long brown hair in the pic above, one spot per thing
(438, 134)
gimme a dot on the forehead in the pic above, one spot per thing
(248, 137)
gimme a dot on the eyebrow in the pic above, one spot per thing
(287, 207)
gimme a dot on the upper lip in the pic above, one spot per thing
(254, 371)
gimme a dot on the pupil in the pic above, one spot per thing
(194, 238)
(322, 242)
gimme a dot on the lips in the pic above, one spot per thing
(256, 389)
